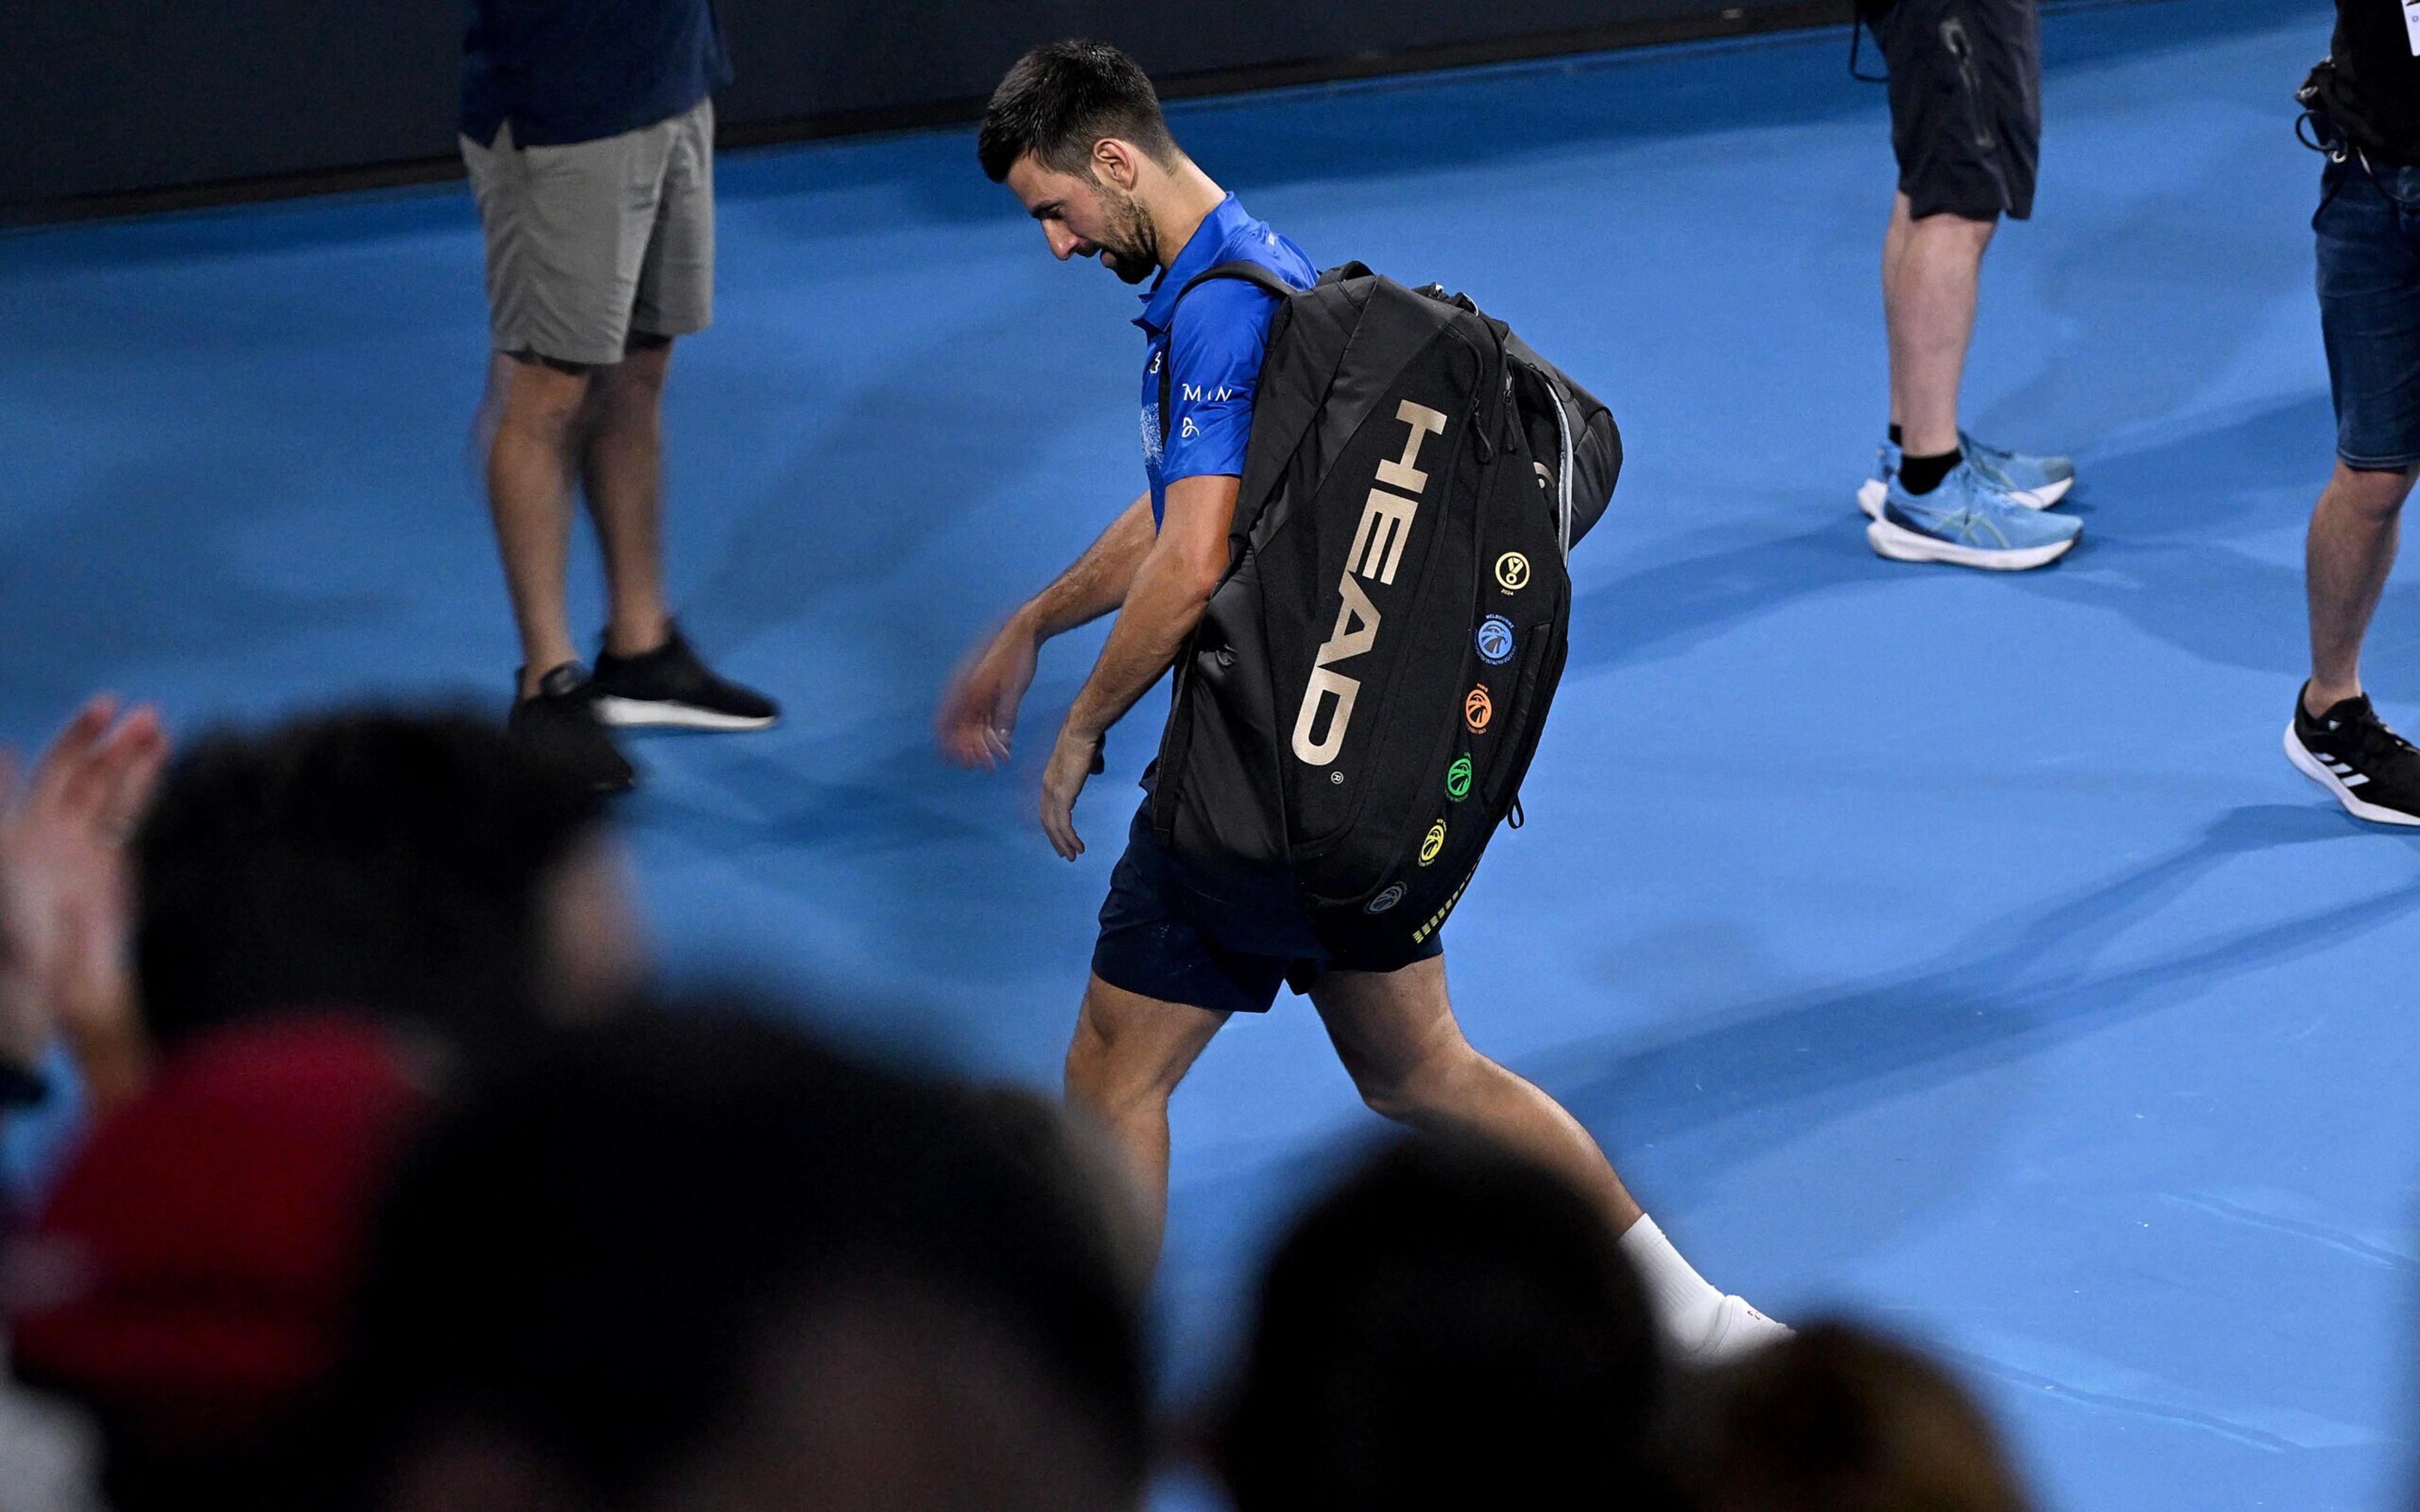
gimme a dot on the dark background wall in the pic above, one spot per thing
(105, 103)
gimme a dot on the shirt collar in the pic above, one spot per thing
(1200, 252)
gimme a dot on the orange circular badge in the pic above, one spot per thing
(1478, 709)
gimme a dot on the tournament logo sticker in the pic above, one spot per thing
(1385, 900)
(1494, 640)
(1478, 709)
(1512, 572)
(1457, 779)
(1433, 843)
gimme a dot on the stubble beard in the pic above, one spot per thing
(1135, 256)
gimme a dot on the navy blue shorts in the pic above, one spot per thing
(2369, 309)
(1163, 941)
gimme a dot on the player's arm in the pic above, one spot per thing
(978, 710)
(1099, 580)
(1163, 603)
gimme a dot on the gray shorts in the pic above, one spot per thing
(591, 243)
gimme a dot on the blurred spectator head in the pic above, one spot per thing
(697, 1261)
(189, 1280)
(1451, 1327)
(1068, 1153)
(418, 866)
(1837, 1419)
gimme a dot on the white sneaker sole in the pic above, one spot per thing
(2311, 766)
(2043, 497)
(1871, 493)
(629, 712)
(1900, 544)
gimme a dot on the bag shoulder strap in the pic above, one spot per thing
(1247, 273)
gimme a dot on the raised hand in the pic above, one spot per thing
(65, 903)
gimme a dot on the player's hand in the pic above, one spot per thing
(1076, 757)
(978, 710)
(64, 887)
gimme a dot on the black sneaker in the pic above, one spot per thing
(669, 685)
(2373, 771)
(559, 721)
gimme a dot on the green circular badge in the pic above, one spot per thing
(1457, 777)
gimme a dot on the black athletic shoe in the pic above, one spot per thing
(2348, 751)
(559, 722)
(669, 685)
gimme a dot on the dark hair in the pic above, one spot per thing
(1837, 1419)
(1452, 1326)
(389, 861)
(1071, 1154)
(1059, 99)
(591, 1253)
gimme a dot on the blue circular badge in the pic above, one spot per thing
(1495, 640)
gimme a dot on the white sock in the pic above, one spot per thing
(1680, 1299)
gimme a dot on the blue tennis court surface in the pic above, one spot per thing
(1954, 948)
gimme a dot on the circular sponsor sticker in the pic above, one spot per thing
(1385, 900)
(1495, 640)
(1478, 709)
(1457, 779)
(1432, 844)
(1512, 572)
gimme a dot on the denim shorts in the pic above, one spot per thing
(2369, 309)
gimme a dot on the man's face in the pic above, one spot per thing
(1084, 217)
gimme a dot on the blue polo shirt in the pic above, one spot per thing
(576, 70)
(1214, 348)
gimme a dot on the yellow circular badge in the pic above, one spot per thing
(1435, 842)
(1512, 572)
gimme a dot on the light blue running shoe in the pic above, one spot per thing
(1970, 524)
(1872, 492)
(2035, 482)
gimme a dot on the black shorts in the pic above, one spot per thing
(1966, 102)
(1164, 940)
